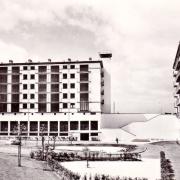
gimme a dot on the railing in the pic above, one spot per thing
(84, 106)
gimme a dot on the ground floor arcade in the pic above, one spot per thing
(79, 127)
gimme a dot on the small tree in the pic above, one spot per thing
(54, 141)
(86, 153)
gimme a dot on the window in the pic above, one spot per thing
(74, 125)
(32, 96)
(42, 77)
(72, 76)
(24, 67)
(42, 87)
(3, 79)
(53, 126)
(72, 66)
(55, 97)
(72, 85)
(15, 107)
(15, 69)
(64, 67)
(24, 86)
(65, 105)
(42, 69)
(32, 86)
(94, 134)
(15, 98)
(42, 107)
(54, 87)
(64, 95)
(63, 126)
(64, 76)
(32, 76)
(54, 107)
(42, 98)
(94, 125)
(54, 68)
(84, 68)
(31, 106)
(72, 105)
(15, 88)
(3, 69)
(84, 87)
(24, 106)
(84, 125)
(64, 86)
(32, 68)
(24, 96)
(25, 76)
(72, 95)
(55, 77)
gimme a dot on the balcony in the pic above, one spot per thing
(175, 73)
(178, 77)
(84, 106)
(175, 94)
(177, 65)
(178, 90)
(175, 84)
(177, 102)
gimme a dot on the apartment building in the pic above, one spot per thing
(59, 98)
(176, 81)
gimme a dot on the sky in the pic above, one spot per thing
(142, 36)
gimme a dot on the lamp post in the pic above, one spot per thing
(18, 130)
(42, 134)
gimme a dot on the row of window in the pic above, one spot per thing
(43, 77)
(43, 106)
(42, 87)
(65, 96)
(53, 126)
(53, 68)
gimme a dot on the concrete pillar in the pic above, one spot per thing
(48, 127)
(9, 89)
(48, 89)
(38, 127)
(9, 128)
(28, 128)
(58, 127)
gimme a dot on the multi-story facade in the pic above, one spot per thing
(65, 98)
(176, 81)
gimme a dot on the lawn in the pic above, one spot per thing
(149, 168)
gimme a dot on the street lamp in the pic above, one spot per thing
(42, 134)
(18, 130)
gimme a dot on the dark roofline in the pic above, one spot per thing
(64, 62)
(177, 55)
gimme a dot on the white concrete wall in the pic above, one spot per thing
(95, 87)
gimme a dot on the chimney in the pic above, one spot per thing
(69, 59)
(90, 58)
(10, 61)
(49, 60)
(29, 61)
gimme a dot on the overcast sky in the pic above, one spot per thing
(142, 35)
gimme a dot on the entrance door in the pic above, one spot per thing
(84, 137)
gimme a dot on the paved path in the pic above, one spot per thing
(30, 170)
